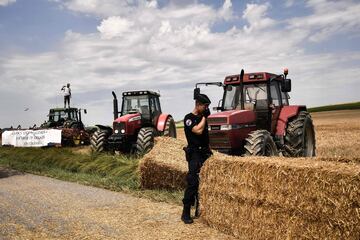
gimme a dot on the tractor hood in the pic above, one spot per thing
(232, 117)
(129, 118)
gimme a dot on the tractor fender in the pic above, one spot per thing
(286, 113)
(160, 126)
(105, 128)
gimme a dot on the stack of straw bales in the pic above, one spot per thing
(165, 166)
(267, 198)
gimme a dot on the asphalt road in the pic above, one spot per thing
(36, 207)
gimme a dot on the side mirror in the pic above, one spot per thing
(196, 93)
(217, 108)
(85, 111)
(286, 85)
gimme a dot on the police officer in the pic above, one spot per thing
(197, 151)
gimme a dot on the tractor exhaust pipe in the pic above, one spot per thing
(80, 115)
(115, 106)
(242, 101)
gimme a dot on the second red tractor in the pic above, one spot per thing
(255, 117)
(141, 119)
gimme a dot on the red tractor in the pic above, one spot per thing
(141, 119)
(254, 118)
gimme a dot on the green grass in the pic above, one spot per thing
(179, 124)
(113, 172)
(344, 106)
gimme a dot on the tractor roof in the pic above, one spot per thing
(63, 109)
(250, 77)
(142, 92)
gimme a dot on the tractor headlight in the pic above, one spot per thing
(226, 127)
(134, 118)
(116, 131)
(122, 131)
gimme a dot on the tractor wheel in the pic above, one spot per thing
(260, 143)
(145, 140)
(300, 136)
(98, 141)
(170, 128)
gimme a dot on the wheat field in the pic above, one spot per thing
(337, 133)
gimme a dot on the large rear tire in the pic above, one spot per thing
(98, 141)
(260, 143)
(170, 128)
(300, 136)
(145, 140)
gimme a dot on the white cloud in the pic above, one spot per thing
(255, 15)
(226, 12)
(6, 2)
(329, 18)
(103, 8)
(115, 27)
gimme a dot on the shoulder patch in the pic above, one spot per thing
(188, 122)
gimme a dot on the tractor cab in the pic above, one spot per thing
(64, 117)
(145, 103)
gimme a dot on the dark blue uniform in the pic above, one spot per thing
(197, 152)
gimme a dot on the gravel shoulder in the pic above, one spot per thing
(36, 207)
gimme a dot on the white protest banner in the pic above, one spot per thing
(31, 138)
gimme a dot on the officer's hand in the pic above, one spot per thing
(206, 113)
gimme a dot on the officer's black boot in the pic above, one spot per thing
(185, 217)
(197, 208)
(197, 212)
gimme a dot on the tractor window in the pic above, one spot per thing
(133, 104)
(274, 88)
(72, 115)
(285, 98)
(252, 93)
(157, 102)
(229, 98)
(153, 106)
(56, 116)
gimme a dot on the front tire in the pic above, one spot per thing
(300, 136)
(260, 143)
(145, 140)
(98, 141)
(170, 128)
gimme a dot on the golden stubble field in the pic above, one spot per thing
(337, 133)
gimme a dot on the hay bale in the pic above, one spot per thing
(355, 160)
(165, 166)
(262, 198)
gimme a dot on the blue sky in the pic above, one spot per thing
(167, 46)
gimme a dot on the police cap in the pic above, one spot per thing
(202, 98)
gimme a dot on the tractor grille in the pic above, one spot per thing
(119, 126)
(219, 140)
(217, 120)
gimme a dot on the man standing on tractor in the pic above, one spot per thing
(197, 152)
(67, 94)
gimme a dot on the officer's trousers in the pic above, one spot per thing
(195, 160)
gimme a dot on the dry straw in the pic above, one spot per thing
(266, 198)
(165, 165)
